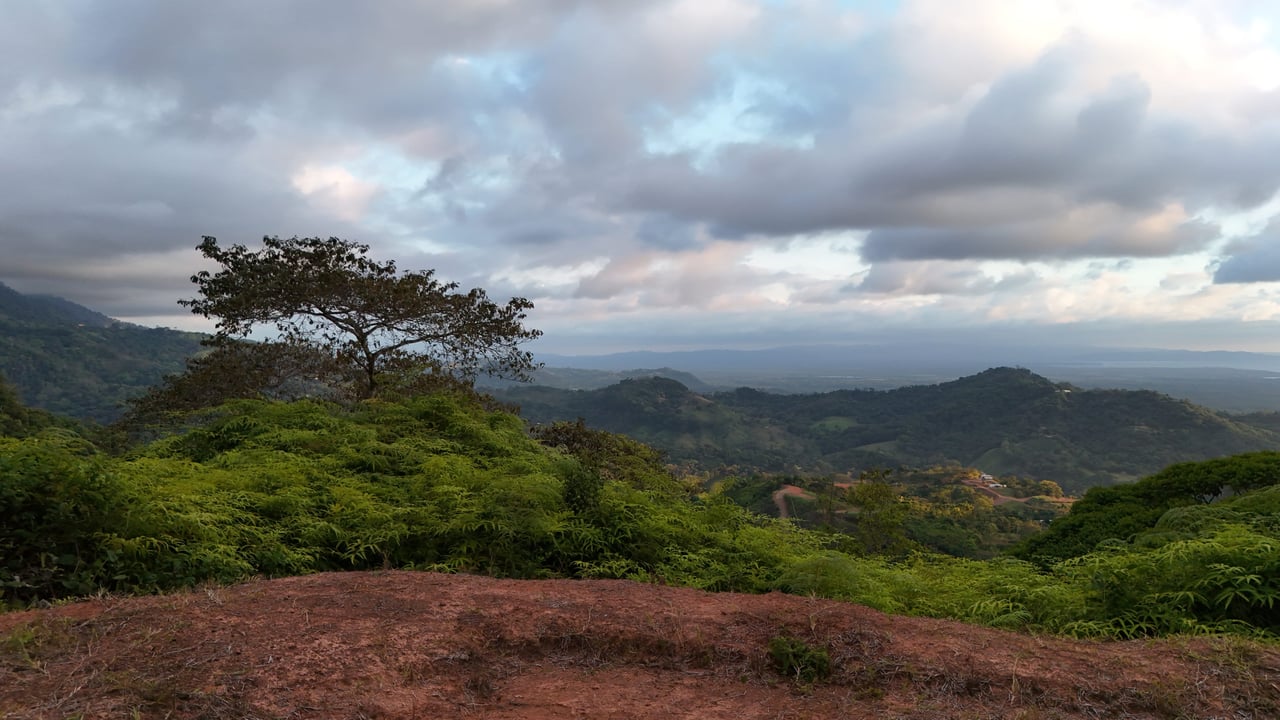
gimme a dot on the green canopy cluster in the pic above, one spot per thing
(439, 482)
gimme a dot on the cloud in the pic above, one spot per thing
(1254, 259)
(1097, 155)
(937, 278)
(1080, 231)
(711, 278)
(666, 156)
(336, 188)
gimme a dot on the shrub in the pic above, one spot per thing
(798, 660)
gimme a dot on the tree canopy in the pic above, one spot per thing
(370, 319)
(17, 420)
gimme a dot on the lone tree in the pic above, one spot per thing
(373, 322)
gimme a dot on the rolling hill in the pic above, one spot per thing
(1004, 421)
(68, 359)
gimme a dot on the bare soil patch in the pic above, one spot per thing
(423, 645)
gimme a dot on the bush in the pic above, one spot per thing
(799, 661)
(56, 497)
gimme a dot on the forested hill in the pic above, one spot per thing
(68, 359)
(1003, 421)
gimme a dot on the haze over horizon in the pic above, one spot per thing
(672, 174)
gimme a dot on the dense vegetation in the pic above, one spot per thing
(69, 360)
(1003, 421)
(438, 482)
(1124, 511)
(18, 420)
(947, 510)
(434, 482)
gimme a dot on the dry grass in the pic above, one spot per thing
(397, 645)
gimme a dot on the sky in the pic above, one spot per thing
(671, 174)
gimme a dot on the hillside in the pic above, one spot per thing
(605, 558)
(70, 360)
(412, 644)
(18, 421)
(1005, 421)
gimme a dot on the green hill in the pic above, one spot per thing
(437, 482)
(1005, 421)
(70, 360)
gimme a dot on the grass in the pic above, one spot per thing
(798, 660)
(30, 646)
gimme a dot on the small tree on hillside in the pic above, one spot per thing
(370, 319)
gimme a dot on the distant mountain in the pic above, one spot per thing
(46, 310)
(68, 359)
(1239, 382)
(566, 378)
(1004, 421)
(916, 356)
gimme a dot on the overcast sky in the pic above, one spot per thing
(671, 174)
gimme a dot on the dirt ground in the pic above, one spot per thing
(423, 645)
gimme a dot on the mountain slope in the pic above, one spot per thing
(17, 420)
(1004, 420)
(70, 360)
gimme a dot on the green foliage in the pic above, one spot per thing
(582, 489)
(1203, 569)
(881, 512)
(931, 509)
(17, 420)
(438, 482)
(661, 412)
(1003, 593)
(1225, 578)
(1123, 511)
(56, 495)
(609, 455)
(271, 488)
(233, 370)
(754, 493)
(798, 660)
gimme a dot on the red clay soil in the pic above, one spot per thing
(422, 645)
(780, 498)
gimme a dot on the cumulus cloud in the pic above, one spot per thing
(1093, 154)
(645, 156)
(711, 278)
(937, 278)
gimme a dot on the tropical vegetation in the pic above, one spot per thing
(439, 482)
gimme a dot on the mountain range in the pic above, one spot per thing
(1004, 421)
(1238, 382)
(68, 359)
